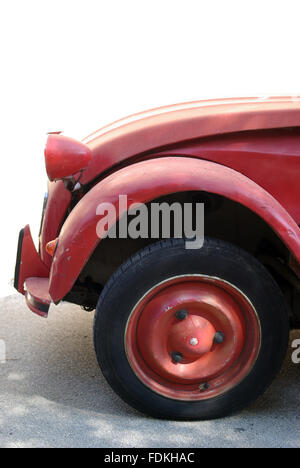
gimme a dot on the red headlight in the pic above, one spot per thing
(65, 156)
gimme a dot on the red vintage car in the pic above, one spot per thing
(179, 333)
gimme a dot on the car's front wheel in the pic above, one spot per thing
(190, 334)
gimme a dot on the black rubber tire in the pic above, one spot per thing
(169, 258)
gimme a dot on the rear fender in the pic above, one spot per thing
(146, 181)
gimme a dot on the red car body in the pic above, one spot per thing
(245, 150)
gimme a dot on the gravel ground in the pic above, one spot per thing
(53, 395)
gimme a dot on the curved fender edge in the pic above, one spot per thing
(145, 181)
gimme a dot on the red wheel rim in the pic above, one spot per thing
(192, 337)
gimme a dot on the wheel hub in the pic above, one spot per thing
(192, 337)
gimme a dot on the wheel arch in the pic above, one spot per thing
(149, 180)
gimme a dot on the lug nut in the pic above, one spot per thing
(181, 314)
(203, 387)
(219, 337)
(176, 356)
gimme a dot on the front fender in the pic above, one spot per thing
(146, 181)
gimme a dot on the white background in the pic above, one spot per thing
(77, 65)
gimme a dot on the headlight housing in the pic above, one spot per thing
(65, 157)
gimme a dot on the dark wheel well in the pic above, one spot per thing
(224, 219)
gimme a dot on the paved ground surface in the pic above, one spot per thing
(53, 395)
